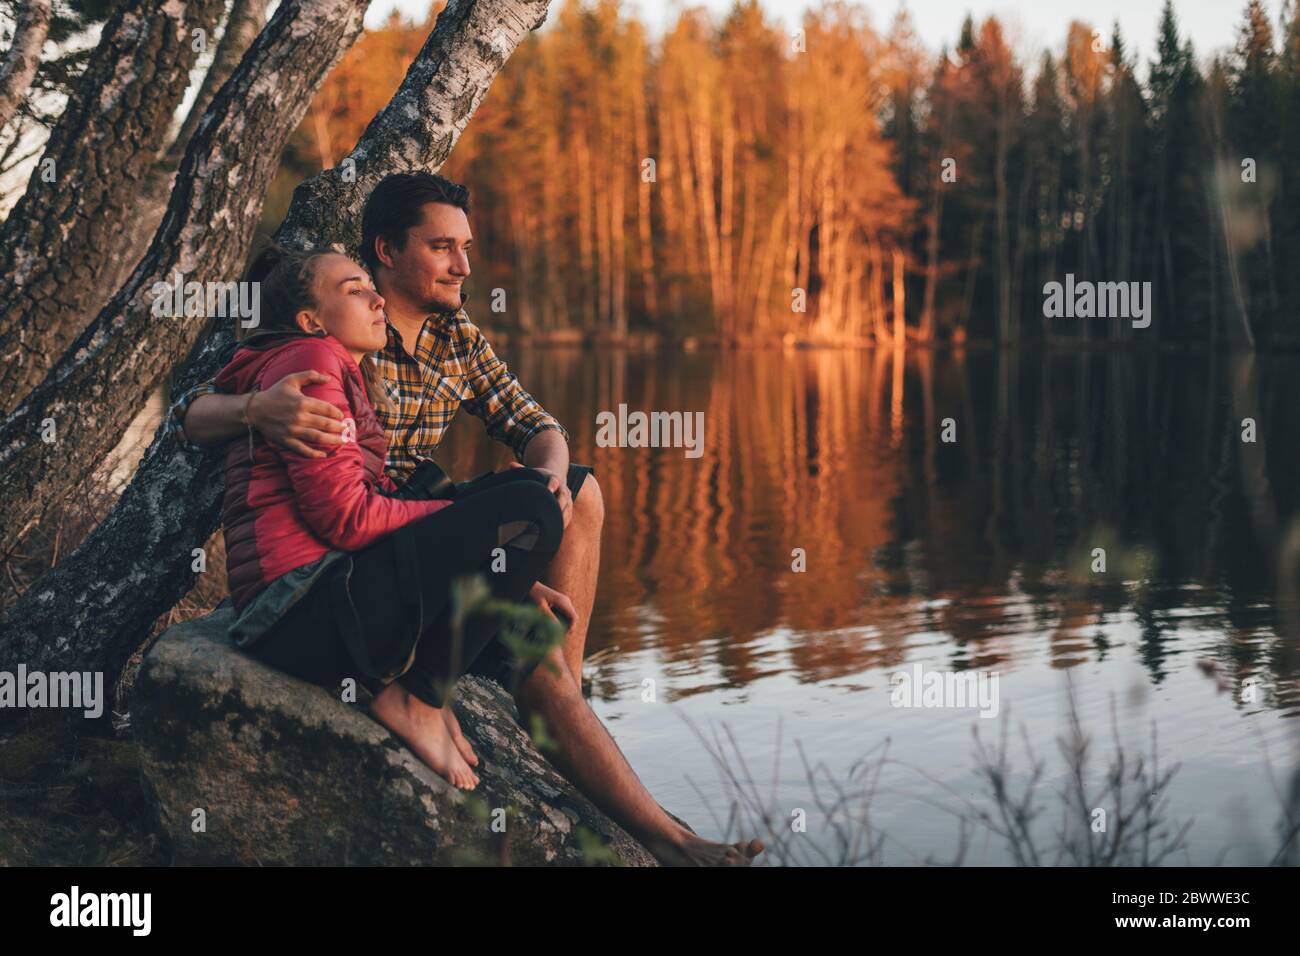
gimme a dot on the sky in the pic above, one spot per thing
(1212, 24)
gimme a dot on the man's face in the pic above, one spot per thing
(433, 263)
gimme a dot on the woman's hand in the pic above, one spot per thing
(551, 600)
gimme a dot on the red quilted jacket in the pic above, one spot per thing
(283, 510)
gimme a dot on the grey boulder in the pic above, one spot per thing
(246, 765)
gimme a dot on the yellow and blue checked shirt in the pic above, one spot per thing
(453, 365)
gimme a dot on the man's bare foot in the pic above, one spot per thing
(691, 850)
(453, 725)
(424, 729)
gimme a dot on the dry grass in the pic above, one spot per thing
(1132, 788)
(55, 536)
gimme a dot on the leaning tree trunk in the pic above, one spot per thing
(245, 22)
(67, 425)
(92, 611)
(61, 235)
(18, 68)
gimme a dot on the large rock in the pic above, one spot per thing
(286, 773)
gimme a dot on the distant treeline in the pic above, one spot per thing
(839, 183)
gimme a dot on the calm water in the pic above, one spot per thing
(972, 554)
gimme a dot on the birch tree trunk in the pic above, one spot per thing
(649, 291)
(618, 217)
(18, 68)
(245, 22)
(60, 238)
(93, 609)
(668, 173)
(702, 152)
(586, 249)
(726, 215)
(604, 267)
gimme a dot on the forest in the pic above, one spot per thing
(845, 184)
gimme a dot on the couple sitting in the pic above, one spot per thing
(341, 560)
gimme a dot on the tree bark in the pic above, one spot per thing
(102, 381)
(245, 22)
(62, 235)
(18, 68)
(92, 611)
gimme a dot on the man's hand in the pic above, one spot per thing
(556, 486)
(548, 453)
(286, 417)
(551, 600)
(560, 488)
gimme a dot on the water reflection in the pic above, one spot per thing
(971, 553)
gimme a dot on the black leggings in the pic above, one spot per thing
(511, 509)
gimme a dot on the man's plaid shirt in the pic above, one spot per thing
(453, 365)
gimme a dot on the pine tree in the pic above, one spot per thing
(1287, 205)
(1126, 171)
(1254, 127)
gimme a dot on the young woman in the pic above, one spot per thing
(333, 576)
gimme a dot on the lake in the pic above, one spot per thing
(954, 511)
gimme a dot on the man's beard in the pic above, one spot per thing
(462, 295)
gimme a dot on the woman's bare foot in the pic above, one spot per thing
(453, 725)
(424, 729)
(687, 849)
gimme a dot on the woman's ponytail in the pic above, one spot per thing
(284, 279)
(264, 262)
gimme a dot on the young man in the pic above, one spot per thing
(415, 241)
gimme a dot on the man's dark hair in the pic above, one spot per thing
(397, 203)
